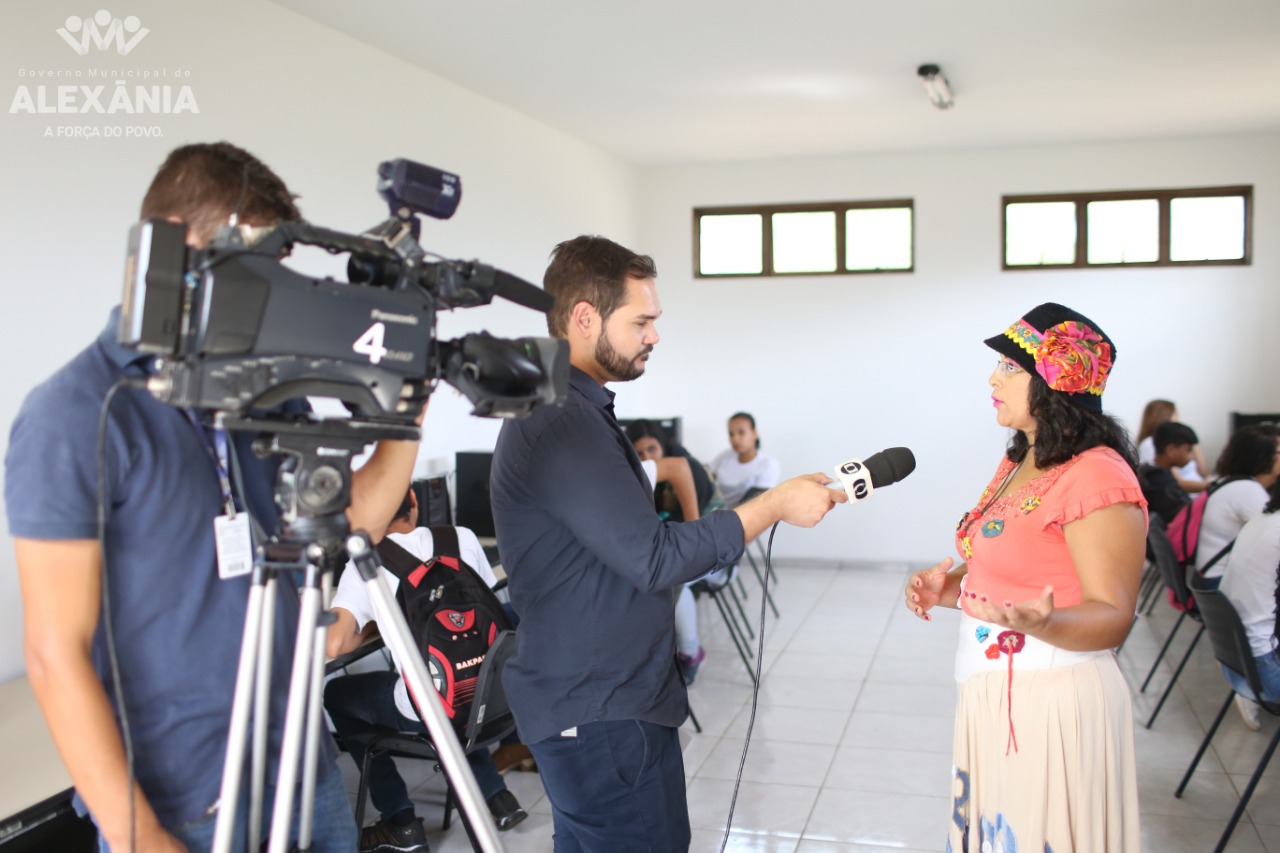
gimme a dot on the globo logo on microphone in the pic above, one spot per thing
(855, 479)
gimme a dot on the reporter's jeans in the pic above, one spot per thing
(355, 702)
(1269, 673)
(333, 828)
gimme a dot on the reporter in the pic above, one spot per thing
(593, 683)
(177, 626)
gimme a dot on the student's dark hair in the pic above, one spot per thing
(1250, 451)
(594, 270)
(1064, 429)
(637, 430)
(406, 506)
(204, 184)
(744, 416)
(1173, 434)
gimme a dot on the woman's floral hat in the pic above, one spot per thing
(1064, 348)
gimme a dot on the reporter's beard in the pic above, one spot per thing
(617, 366)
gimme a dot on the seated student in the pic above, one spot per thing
(1191, 476)
(652, 442)
(355, 702)
(1252, 586)
(672, 496)
(1251, 461)
(1174, 443)
(743, 467)
(677, 473)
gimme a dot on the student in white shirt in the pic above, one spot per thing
(743, 467)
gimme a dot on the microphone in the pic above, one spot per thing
(861, 478)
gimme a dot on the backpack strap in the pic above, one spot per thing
(396, 558)
(1218, 556)
(444, 540)
(1208, 493)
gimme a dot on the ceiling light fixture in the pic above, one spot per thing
(937, 87)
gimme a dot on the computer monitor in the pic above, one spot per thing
(1240, 419)
(473, 508)
(671, 426)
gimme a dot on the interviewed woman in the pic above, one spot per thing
(1053, 551)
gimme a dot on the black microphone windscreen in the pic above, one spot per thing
(517, 290)
(890, 465)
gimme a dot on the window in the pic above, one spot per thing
(1210, 225)
(833, 238)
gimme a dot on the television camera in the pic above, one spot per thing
(237, 331)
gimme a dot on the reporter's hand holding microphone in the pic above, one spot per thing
(805, 500)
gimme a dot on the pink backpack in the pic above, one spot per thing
(1184, 530)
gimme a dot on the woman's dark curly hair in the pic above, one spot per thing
(1064, 430)
(1249, 452)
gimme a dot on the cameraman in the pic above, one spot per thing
(592, 570)
(177, 626)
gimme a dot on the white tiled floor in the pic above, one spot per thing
(851, 747)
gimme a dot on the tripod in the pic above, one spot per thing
(313, 491)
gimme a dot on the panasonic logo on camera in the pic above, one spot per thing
(407, 319)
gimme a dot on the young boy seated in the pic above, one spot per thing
(1174, 444)
(355, 702)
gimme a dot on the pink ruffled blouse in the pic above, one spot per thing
(1014, 545)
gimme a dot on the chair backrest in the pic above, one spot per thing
(1161, 550)
(491, 718)
(1230, 641)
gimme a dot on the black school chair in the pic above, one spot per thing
(490, 721)
(1231, 648)
(1174, 578)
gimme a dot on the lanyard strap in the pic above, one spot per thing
(219, 452)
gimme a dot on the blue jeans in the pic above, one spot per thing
(355, 702)
(617, 787)
(1269, 673)
(333, 828)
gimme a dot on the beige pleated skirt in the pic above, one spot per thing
(1070, 786)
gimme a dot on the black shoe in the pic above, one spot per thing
(383, 837)
(506, 810)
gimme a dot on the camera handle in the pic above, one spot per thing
(314, 492)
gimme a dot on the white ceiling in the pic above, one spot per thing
(715, 80)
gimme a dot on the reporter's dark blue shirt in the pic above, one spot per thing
(592, 569)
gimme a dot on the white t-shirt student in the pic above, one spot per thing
(352, 597)
(1229, 508)
(735, 479)
(1251, 583)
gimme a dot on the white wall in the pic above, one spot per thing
(834, 367)
(321, 109)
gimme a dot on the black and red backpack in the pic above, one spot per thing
(452, 614)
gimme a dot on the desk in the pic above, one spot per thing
(371, 644)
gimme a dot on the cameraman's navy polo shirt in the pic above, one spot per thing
(177, 626)
(592, 569)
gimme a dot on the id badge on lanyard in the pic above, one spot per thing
(231, 534)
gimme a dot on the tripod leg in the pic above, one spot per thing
(295, 713)
(315, 722)
(261, 715)
(233, 763)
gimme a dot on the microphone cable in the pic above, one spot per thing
(108, 632)
(755, 687)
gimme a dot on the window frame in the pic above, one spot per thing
(766, 211)
(1164, 199)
